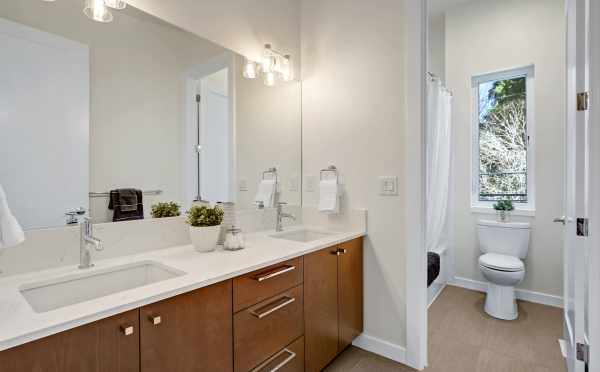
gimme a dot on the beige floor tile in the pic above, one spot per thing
(492, 361)
(452, 356)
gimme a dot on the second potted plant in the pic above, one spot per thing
(503, 209)
(205, 226)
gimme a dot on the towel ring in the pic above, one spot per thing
(331, 169)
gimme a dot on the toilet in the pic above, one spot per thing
(503, 245)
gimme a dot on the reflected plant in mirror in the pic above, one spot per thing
(143, 105)
(163, 210)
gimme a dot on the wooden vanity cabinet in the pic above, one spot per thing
(189, 333)
(108, 345)
(333, 302)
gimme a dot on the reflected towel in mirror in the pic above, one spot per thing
(266, 193)
(11, 232)
(329, 196)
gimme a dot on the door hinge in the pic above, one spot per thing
(583, 101)
(583, 226)
(583, 353)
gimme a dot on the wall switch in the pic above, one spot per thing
(243, 185)
(388, 186)
(310, 183)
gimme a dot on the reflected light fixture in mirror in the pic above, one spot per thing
(269, 61)
(287, 69)
(250, 69)
(270, 79)
(97, 11)
(116, 4)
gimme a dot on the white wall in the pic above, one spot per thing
(242, 26)
(352, 105)
(486, 36)
(436, 44)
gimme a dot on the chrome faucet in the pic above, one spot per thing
(281, 215)
(86, 239)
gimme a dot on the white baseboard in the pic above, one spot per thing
(381, 347)
(521, 294)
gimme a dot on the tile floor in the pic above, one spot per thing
(462, 338)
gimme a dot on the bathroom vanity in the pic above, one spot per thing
(296, 314)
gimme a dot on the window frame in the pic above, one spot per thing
(528, 72)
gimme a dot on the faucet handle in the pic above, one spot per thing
(282, 203)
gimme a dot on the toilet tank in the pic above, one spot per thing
(509, 238)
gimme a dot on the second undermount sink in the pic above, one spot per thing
(303, 235)
(80, 287)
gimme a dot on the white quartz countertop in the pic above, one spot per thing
(20, 324)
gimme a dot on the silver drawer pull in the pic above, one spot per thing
(156, 320)
(288, 300)
(127, 330)
(291, 357)
(272, 274)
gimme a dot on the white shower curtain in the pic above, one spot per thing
(438, 158)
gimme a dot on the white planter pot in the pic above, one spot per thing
(205, 238)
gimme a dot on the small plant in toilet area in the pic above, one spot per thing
(162, 210)
(205, 226)
(503, 209)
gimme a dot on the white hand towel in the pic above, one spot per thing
(266, 193)
(11, 232)
(329, 197)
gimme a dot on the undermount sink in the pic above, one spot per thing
(80, 287)
(303, 235)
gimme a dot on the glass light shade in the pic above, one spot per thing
(250, 69)
(97, 10)
(116, 4)
(268, 62)
(287, 68)
(269, 78)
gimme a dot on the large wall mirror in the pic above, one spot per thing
(137, 103)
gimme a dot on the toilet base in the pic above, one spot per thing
(500, 302)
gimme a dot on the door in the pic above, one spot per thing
(188, 333)
(350, 292)
(108, 345)
(576, 185)
(320, 308)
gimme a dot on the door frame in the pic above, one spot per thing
(415, 42)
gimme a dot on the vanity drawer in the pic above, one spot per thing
(262, 330)
(262, 284)
(288, 359)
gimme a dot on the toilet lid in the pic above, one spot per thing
(501, 262)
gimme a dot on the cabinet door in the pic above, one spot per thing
(191, 332)
(108, 345)
(350, 291)
(320, 308)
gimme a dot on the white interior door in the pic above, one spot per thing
(577, 180)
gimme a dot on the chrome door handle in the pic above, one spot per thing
(274, 273)
(279, 366)
(271, 310)
(562, 219)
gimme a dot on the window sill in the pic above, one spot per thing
(489, 210)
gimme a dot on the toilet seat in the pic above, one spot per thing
(501, 262)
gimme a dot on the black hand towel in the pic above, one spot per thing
(127, 204)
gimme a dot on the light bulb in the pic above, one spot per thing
(97, 10)
(287, 68)
(116, 4)
(269, 79)
(250, 69)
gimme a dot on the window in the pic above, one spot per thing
(502, 138)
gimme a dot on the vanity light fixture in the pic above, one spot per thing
(250, 69)
(97, 11)
(273, 66)
(116, 4)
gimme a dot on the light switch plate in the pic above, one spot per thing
(293, 184)
(388, 186)
(310, 183)
(243, 184)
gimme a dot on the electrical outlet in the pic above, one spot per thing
(310, 183)
(388, 186)
(293, 184)
(243, 184)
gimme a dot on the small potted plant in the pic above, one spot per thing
(503, 209)
(205, 226)
(163, 210)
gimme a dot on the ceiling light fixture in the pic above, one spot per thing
(116, 4)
